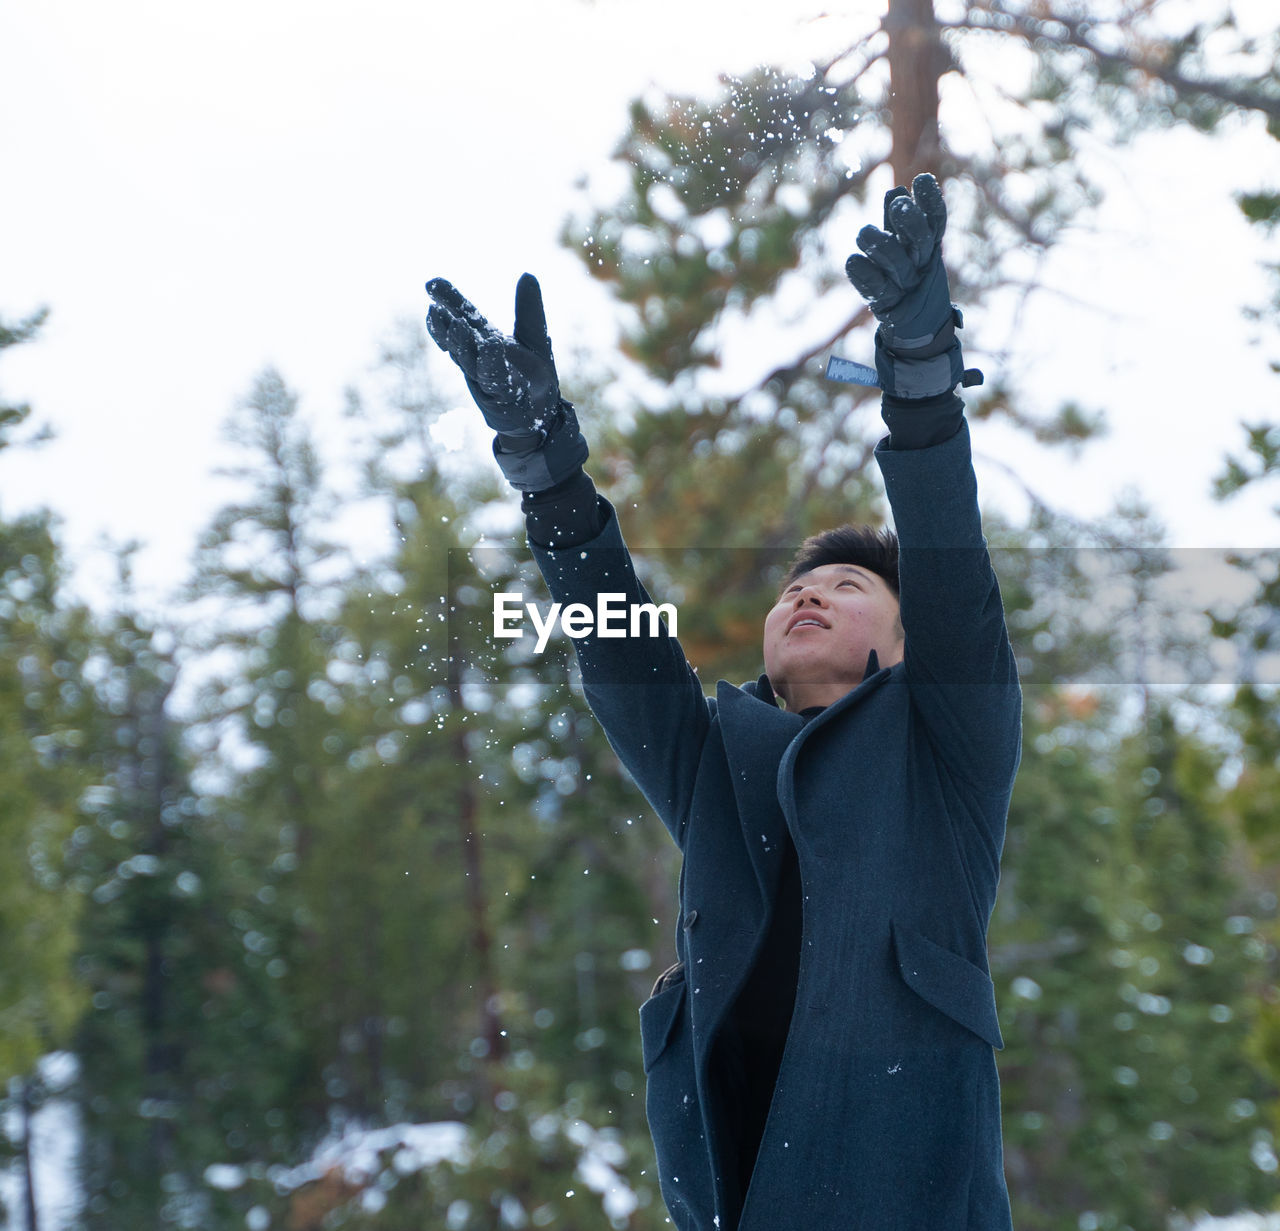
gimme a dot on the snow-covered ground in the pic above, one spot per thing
(361, 1155)
(1240, 1222)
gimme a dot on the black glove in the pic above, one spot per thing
(902, 278)
(513, 381)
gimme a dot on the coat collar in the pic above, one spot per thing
(742, 708)
(738, 699)
(872, 678)
(753, 725)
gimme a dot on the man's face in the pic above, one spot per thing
(820, 631)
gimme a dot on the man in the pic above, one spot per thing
(821, 1055)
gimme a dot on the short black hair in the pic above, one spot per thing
(868, 548)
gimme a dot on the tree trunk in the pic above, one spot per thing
(27, 1111)
(477, 905)
(481, 940)
(150, 786)
(917, 59)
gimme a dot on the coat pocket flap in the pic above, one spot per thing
(658, 1017)
(949, 982)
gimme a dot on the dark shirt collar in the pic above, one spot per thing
(764, 690)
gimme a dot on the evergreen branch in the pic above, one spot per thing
(986, 187)
(22, 331)
(790, 371)
(824, 70)
(1064, 31)
(1036, 502)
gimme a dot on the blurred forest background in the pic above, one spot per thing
(355, 936)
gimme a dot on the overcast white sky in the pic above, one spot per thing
(198, 190)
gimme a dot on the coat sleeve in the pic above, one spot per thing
(641, 688)
(959, 663)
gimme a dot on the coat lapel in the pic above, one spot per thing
(761, 744)
(756, 735)
(873, 678)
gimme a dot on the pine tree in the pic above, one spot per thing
(484, 929)
(44, 711)
(181, 1050)
(1125, 991)
(1252, 628)
(265, 577)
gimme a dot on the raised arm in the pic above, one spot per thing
(640, 687)
(958, 660)
(959, 664)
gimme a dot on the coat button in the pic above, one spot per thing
(690, 919)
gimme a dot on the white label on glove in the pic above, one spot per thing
(852, 373)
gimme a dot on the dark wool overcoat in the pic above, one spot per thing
(886, 1111)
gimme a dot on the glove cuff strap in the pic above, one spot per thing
(923, 367)
(536, 461)
(925, 347)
